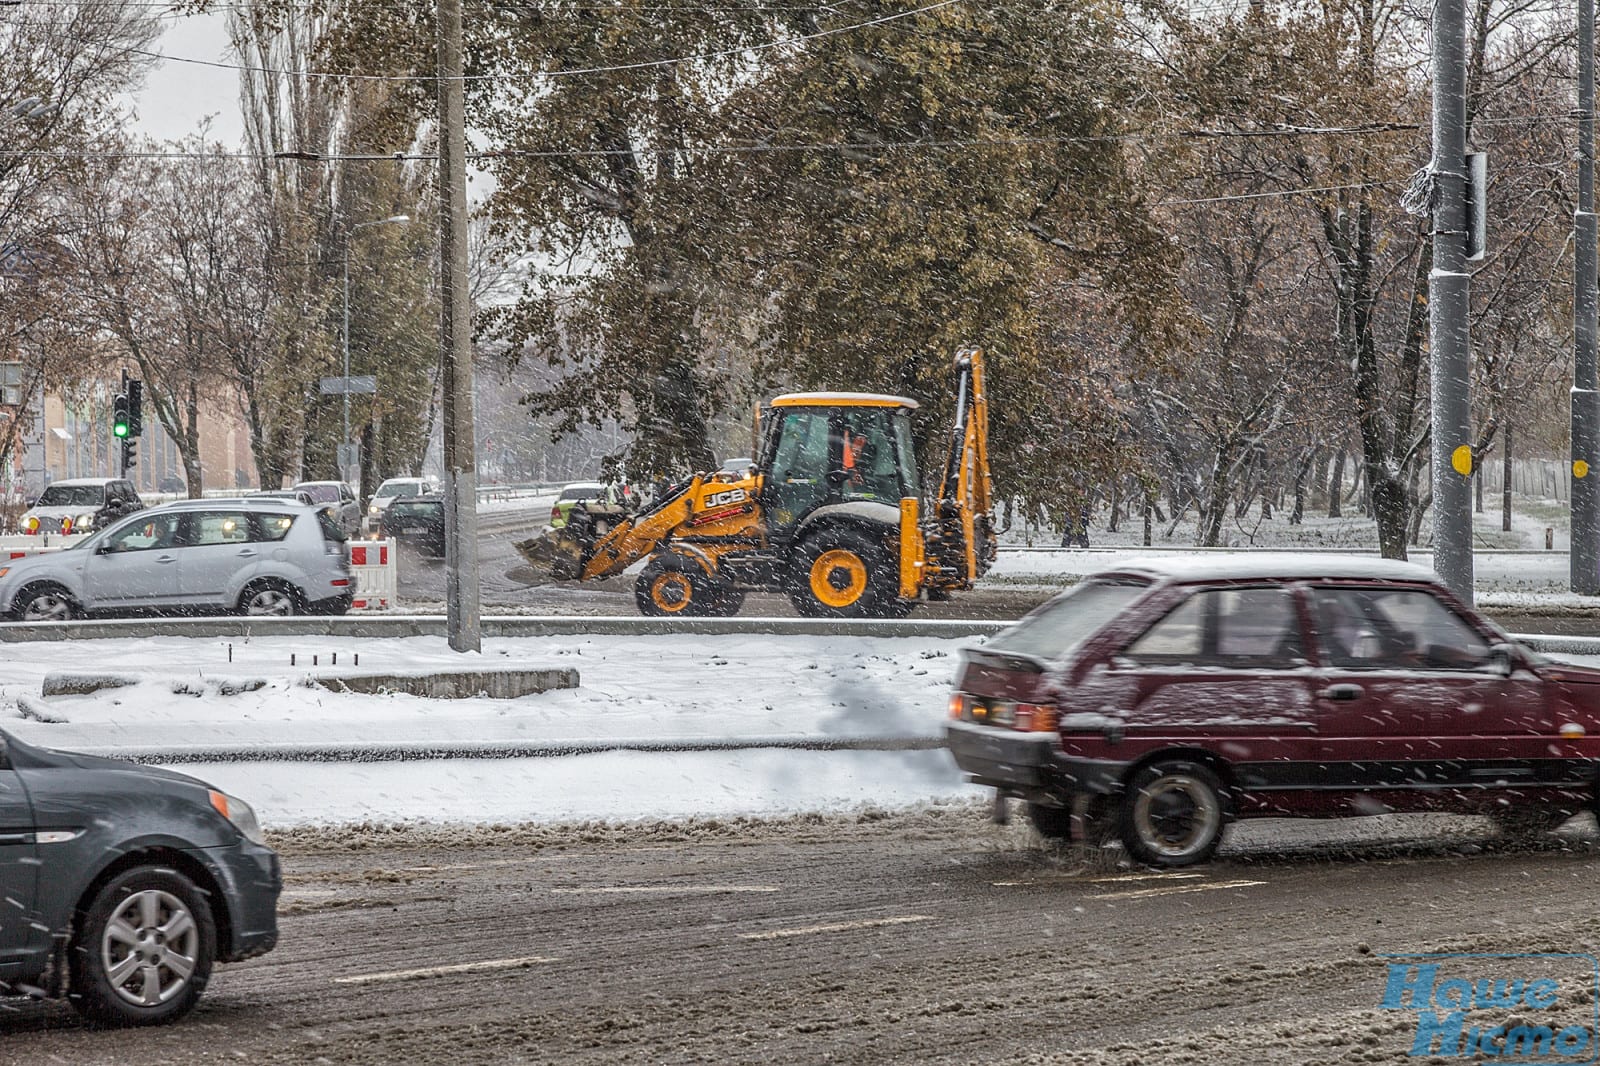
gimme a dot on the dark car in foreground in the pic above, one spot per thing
(415, 520)
(1166, 698)
(124, 884)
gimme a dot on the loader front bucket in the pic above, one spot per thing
(554, 554)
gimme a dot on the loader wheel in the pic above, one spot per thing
(672, 585)
(841, 573)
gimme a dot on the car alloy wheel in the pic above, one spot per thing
(149, 948)
(48, 606)
(269, 603)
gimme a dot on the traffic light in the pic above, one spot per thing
(130, 454)
(119, 416)
(135, 409)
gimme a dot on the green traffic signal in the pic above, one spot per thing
(119, 416)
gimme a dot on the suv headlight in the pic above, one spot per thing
(241, 814)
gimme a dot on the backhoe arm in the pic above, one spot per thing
(638, 536)
(965, 523)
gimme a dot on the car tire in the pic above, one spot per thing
(844, 573)
(1052, 823)
(1527, 821)
(675, 586)
(1172, 814)
(270, 599)
(44, 602)
(142, 951)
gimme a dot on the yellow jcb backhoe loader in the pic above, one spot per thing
(830, 515)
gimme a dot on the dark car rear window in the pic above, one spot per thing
(1061, 625)
(330, 528)
(403, 508)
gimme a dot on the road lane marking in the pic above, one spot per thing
(1175, 890)
(485, 966)
(660, 890)
(837, 927)
(1093, 880)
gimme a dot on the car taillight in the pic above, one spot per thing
(1034, 718)
(958, 706)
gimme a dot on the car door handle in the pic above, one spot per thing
(166, 558)
(247, 553)
(1341, 692)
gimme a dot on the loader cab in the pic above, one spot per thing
(825, 448)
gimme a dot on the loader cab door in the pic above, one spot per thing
(796, 457)
(821, 455)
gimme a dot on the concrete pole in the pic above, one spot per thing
(345, 438)
(1449, 296)
(462, 625)
(1585, 555)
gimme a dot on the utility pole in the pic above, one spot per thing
(460, 452)
(1585, 555)
(1449, 291)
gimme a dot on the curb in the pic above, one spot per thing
(418, 752)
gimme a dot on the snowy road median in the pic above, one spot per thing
(658, 726)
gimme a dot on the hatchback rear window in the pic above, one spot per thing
(1061, 625)
(420, 509)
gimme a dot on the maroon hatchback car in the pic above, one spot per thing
(1163, 699)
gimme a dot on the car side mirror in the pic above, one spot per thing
(1502, 659)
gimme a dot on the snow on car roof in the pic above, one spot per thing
(74, 481)
(1229, 566)
(843, 399)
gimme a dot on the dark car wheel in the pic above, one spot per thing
(142, 953)
(1053, 823)
(269, 599)
(1173, 813)
(44, 603)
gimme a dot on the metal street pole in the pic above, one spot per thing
(1449, 293)
(1585, 554)
(460, 454)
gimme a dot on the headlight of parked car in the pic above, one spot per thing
(241, 814)
(83, 521)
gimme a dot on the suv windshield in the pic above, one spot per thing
(72, 496)
(398, 488)
(1061, 625)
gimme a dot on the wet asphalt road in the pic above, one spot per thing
(510, 586)
(929, 937)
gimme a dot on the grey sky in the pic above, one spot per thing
(177, 96)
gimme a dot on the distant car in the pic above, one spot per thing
(124, 884)
(80, 505)
(1168, 697)
(588, 492)
(416, 520)
(249, 555)
(339, 498)
(738, 467)
(397, 488)
(284, 494)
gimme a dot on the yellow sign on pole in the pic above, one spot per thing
(1580, 469)
(1461, 459)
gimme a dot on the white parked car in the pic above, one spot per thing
(394, 489)
(80, 505)
(251, 555)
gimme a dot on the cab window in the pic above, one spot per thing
(1249, 628)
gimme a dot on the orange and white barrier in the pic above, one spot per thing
(24, 545)
(372, 566)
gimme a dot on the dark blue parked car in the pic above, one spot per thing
(121, 885)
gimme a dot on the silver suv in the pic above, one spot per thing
(253, 556)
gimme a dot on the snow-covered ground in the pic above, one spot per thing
(649, 689)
